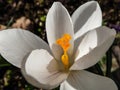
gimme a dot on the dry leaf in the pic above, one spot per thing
(2, 27)
(22, 22)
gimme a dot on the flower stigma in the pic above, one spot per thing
(65, 44)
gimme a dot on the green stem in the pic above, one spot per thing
(98, 68)
(5, 65)
(108, 62)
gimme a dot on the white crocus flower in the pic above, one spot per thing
(70, 50)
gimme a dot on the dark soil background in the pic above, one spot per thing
(31, 15)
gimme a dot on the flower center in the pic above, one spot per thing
(65, 44)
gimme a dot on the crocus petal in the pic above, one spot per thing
(83, 80)
(86, 17)
(41, 70)
(58, 23)
(16, 43)
(91, 49)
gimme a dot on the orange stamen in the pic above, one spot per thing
(64, 43)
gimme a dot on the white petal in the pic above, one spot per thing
(83, 80)
(88, 42)
(91, 49)
(16, 43)
(41, 70)
(86, 17)
(58, 23)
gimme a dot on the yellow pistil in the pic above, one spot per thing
(64, 43)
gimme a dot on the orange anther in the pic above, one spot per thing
(64, 43)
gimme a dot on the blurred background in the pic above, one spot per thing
(31, 15)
